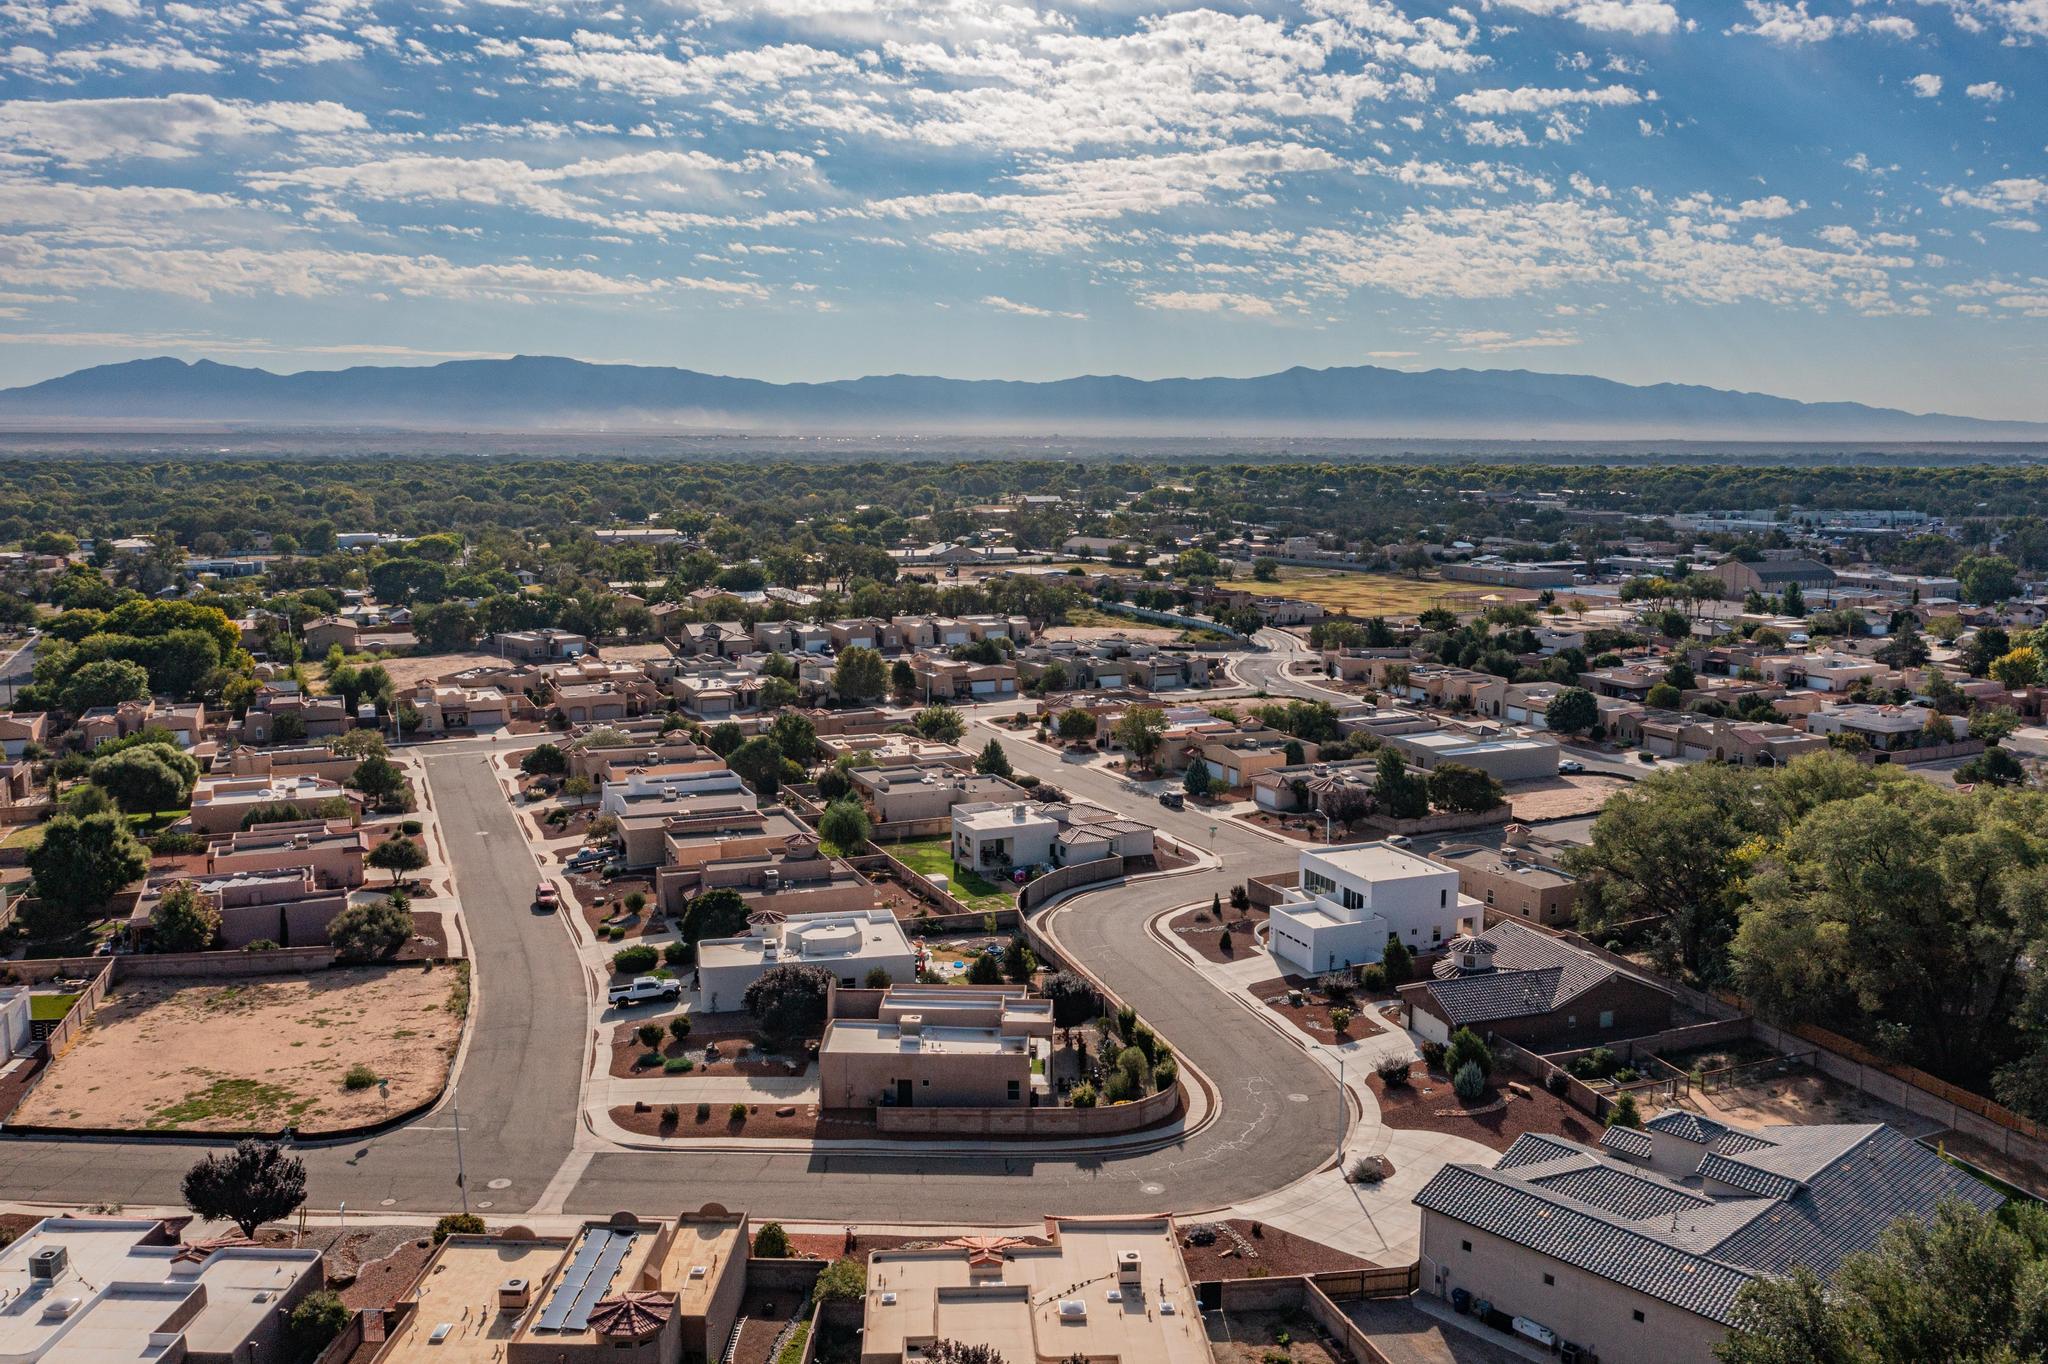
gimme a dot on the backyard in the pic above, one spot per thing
(930, 857)
(218, 1054)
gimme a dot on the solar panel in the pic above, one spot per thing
(600, 1278)
(572, 1281)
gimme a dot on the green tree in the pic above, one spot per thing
(183, 920)
(1196, 780)
(1398, 793)
(903, 680)
(370, 932)
(1140, 732)
(844, 825)
(726, 736)
(1663, 696)
(985, 970)
(844, 1280)
(80, 864)
(1573, 710)
(1626, 1113)
(717, 913)
(2018, 668)
(367, 743)
(399, 855)
(1467, 1048)
(1465, 790)
(458, 1224)
(771, 1242)
(546, 760)
(940, 723)
(796, 737)
(759, 762)
(257, 1182)
(313, 1323)
(994, 762)
(107, 682)
(1795, 600)
(147, 778)
(859, 676)
(789, 1001)
(1987, 579)
(381, 779)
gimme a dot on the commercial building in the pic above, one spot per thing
(847, 945)
(1535, 990)
(1772, 576)
(1348, 900)
(1639, 1250)
(104, 1288)
(1104, 1289)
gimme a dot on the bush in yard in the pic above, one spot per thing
(703, 1112)
(636, 900)
(359, 1076)
(1393, 1073)
(1240, 898)
(1626, 1113)
(313, 1323)
(635, 960)
(1368, 1170)
(1398, 961)
(877, 979)
(1595, 1065)
(679, 1027)
(944, 1351)
(183, 921)
(256, 1182)
(738, 1112)
(669, 1114)
(544, 760)
(1126, 1020)
(1073, 999)
(789, 1001)
(675, 953)
(1083, 1096)
(844, 1280)
(411, 828)
(678, 1065)
(1225, 945)
(400, 856)
(985, 970)
(1433, 1055)
(370, 932)
(1469, 1082)
(1119, 1087)
(649, 1034)
(647, 1060)
(719, 913)
(458, 1224)
(1466, 1048)
(771, 1241)
(1164, 1074)
(1336, 986)
(1556, 1083)
(176, 843)
(1375, 979)
(1340, 1020)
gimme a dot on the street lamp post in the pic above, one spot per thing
(455, 1104)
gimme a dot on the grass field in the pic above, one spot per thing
(1373, 594)
(934, 857)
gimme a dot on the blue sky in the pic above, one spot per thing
(1823, 199)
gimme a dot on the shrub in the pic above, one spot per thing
(1393, 1073)
(458, 1224)
(1368, 1170)
(359, 1076)
(262, 945)
(1470, 1081)
(679, 1027)
(1165, 1074)
(703, 1112)
(678, 1065)
(635, 901)
(669, 1115)
(647, 1060)
(635, 960)
(1556, 1083)
(1625, 1113)
(844, 1280)
(1083, 1096)
(1118, 1086)
(649, 1034)
(176, 843)
(1375, 981)
(788, 1001)
(1594, 1065)
(313, 1323)
(367, 932)
(1336, 985)
(411, 828)
(676, 953)
(1340, 1020)
(877, 979)
(772, 1241)
(1467, 1049)
(1433, 1055)
(738, 1112)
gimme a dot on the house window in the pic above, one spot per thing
(1637, 1315)
(1550, 1278)
(1015, 1092)
(1467, 1245)
(1443, 899)
(1607, 1018)
(1489, 897)
(1352, 899)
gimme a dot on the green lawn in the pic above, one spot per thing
(26, 837)
(934, 857)
(49, 1008)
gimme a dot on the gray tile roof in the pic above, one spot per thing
(1628, 1141)
(1759, 1203)
(1533, 973)
(1687, 1125)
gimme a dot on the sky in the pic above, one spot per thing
(1822, 199)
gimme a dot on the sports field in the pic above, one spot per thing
(1379, 594)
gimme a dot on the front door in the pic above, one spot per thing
(903, 1093)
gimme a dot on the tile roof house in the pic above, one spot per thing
(1641, 1249)
(1538, 991)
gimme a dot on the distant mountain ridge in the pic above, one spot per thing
(548, 392)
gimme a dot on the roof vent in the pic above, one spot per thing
(57, 1309)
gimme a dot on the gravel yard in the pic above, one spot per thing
(256, 1054)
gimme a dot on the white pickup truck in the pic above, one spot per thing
(645, 990)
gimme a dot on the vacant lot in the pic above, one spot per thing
(1367, 594)
(1563, 796)
(258, 1054)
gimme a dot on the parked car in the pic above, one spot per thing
(546, 897)
(587, 857)
(1173, 800)
(645, 990)
(1571, 765)
(1646, 757)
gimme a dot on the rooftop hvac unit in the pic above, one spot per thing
(1130, 1267)
(514, 1295)
(47, 1264)
(771, 879)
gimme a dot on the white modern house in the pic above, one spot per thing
(1350, 899)
(848, 944)
(1000, 836)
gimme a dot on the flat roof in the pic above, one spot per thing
(699, 1243)
(1376, 861)
(1049, 1302)
(1001, 817)
(459, 1289)
(872, 1037)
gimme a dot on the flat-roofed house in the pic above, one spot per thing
(333, 849)
(220, 804)
(1347, 901)
(927, 1050)
(847, 945)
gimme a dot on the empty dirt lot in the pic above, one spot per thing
(258, 1054)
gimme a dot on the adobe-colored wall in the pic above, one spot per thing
(1032, 1122)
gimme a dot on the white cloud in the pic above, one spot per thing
(1991, 92)
(1531, 99)
(1184, 301)
(1925, 86)
(1486, 133)
(1491, 341)
(84, 130)
(1007, 305)
(1636, 18)
(313, 50)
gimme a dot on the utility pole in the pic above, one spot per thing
(455, 1103)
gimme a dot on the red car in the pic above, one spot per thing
(546, 897)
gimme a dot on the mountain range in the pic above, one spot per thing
(553, 393)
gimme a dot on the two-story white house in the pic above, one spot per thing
(1350, 899)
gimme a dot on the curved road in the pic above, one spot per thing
(1280, 1115)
